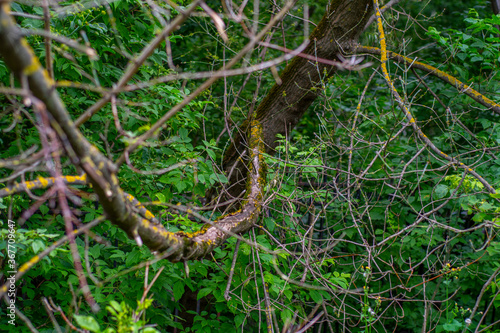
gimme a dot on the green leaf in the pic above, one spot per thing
(478, 43)
(223, 179)
(316, 296)
(180, 186)
(245, 249)
(211, 153)
(485, 207)
(266, 257)
(495, 195)
(87, 323)
(37, 246)
(440, 191)
(485, 122)
(133, 258)
(149, 330)
(160, 197)
(239, 319)
(202, 270)
(183, 133)
(178, 290)
(454, 326)
(44, 209)
(109, 330)
(270, 223)
(479, 217)
(286, 315)
(116, 306)
(466, 37)
(204, 292)
(16, 7)
(89, 217)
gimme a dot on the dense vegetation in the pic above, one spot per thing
(380, 209)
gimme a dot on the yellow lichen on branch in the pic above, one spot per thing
(413, 63)
(406, 110)
(41, 183)
(182, 245)
(120, 208)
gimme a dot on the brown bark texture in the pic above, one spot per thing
(279, 112)
(285, 104)
(101, 172)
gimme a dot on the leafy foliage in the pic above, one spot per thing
(362, 223)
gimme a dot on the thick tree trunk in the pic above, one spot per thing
(285, 104)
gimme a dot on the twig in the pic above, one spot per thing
(231, 271)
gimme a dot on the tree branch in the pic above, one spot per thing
(413, 63)
(101, 172)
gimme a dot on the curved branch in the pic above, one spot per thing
(101, 172)
(413, 63)
(301, 81)
(383, 60)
